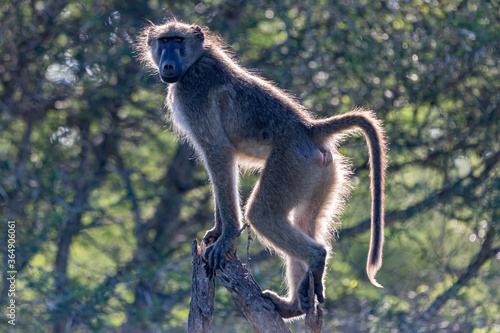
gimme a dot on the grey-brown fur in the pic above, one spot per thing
(235, 119)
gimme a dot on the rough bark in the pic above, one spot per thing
(201, 308)
(246, 293)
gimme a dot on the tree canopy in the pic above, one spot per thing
(107, 200)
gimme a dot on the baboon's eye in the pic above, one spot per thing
(164, 39)
(179, 39)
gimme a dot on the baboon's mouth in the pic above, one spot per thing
(170, 78)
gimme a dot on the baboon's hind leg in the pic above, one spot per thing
(313, 217)
(298, 300)
(277, 192)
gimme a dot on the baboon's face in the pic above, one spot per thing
(169, 51)
(175, 49)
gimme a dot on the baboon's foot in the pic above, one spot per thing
(306, 300)
(323, 157)
(286, 308)
(212, 235)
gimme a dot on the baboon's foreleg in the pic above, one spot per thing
(223, 172)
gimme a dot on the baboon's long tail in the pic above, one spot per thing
(372, 128)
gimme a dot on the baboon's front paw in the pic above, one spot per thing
(212, 235)
(216, 253)
(286, 308)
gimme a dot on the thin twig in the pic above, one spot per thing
(242, 228)
(248, 248)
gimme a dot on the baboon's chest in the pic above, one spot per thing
(198, 122)
(178, 116)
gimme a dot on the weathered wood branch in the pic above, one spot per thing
(201, 307)
(246, 293)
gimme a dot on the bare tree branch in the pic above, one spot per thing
(456, 189)
(246, 293)
(484, 254)
(201, 307)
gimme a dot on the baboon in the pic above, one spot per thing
(236, 119)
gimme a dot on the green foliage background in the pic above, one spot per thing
(107, 201)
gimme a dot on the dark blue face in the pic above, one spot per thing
(169, 51)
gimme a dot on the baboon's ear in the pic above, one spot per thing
(148, 33)
(198, 33)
